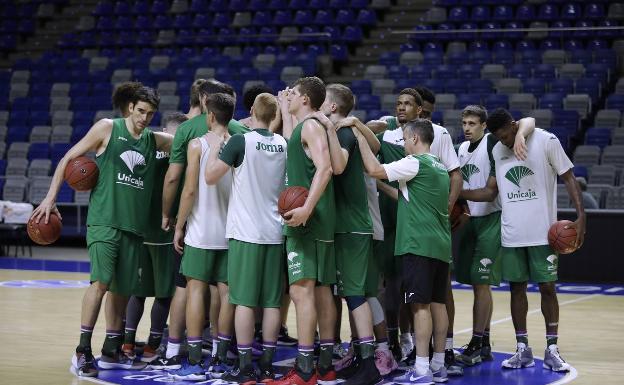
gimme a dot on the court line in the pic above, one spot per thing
(538, 310)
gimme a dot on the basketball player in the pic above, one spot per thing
(122, 95)
(157, 265)
(257, 161)
(309, 238)
(116, 222)
(423, 241)
(478, 261)
(528, 198)
(249, 97)
(200, 234)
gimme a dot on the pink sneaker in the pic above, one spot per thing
(345, 361)
(385, 362)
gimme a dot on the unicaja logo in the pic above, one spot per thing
(132, 159)
(486, 261)
(469, 170)
(517, 173)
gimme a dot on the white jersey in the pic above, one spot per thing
(256, 185)
(205, 227)
(527, 189)
(373, 207)
(475, 169)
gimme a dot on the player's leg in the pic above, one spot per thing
(326, 309)
(440, 319)
(384, 250)
(516, 271)
(136, 303)
(213, 317)
(225, 320)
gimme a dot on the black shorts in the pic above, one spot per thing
(180, 280)
(424, 279)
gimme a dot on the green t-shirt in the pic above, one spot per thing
(422, 222)
(350, 190)
(154, 234)
(390, 151)
(299, 172)
(126, 181)
(234, 152)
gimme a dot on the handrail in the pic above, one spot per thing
(504, 30)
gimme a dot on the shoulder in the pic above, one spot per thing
(104, 124)
(439, 131)
(194, 145)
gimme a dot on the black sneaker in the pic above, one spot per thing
(410, 359)
(471, 354)
(267, 374)
(83, 363)
(396, 352)
(162, 363)
(486, 353)
(366, 374)
(246, 376)
(349, 370)
(284, 339)
(452, 367)
(120, 361)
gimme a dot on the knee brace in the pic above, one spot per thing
(355, 301)
(376, 309)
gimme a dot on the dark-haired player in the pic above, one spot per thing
(123, 95)
(116, 223)
(529, 207)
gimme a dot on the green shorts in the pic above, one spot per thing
(479, 261)
(157, 271)
(371, 288)
(310, 259)
(204, 265)
(353, 252)
(391, 264)
(255, 274)
(535, 263)
(115, 258)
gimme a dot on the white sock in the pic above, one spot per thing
(521, 345)
(406, 338)
(449, 343)
(215, 344)
(383, 346)
(421, 365)
(437, 361)
(172, 350)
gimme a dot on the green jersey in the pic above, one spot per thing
(126, 181)
(154, 234)
(391, 150)
(423, 223)
(299, 172)
(350, 189)
(393, 123)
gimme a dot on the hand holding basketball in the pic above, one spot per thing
(44, 233)
(44, 210)
(562, 237)
(290, 205)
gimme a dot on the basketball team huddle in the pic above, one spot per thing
(190, 217)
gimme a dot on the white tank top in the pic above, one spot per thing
(475, 169)
(373, 207)
(205, 227)
(256, 185)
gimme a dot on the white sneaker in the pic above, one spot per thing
(523, 358)
(553, 360)
(407, 345)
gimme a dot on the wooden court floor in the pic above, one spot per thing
(39, 330)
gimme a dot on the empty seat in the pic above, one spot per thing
(382, 86)
(607, 118)
(62, 117)
(446, 101)
(543, 118)
(121, 75)
(508, 85)
(39, 186)
(522, 102)
(614, 155)
(388, 102)
(16, 167)
(61, 134)
(411, 58)
(15, 189)
(572, 70)
(39, 167)
(19, 90)
(108, 114)
(599, 192)
(20, 76)
(452, 118)
(204, 73)
(290, 74)
(615, 198)
(360, 114)
(167, 88)
(18, 150)
(60, 103)
(169, 102)
(603, 174)
(60, 89)
(375, 72)
(586, 155)
(264, 61)
(40, 134)
(578, 102)
(556, 57)
(493, 71)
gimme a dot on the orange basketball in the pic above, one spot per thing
(43, 234)
(81, 173)
(562, 239)
(291, 198)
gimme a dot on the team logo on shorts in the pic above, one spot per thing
(293, 267)
(485, 262)
(553, 262)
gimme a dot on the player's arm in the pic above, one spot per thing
(371, 164)
(388, 190)
(377, 126)
(451, 162)
(484, 194)
(96, 139)
(338, 155)
(189, 192)
(574, 191)
(163, 141)
(457, 183)
(526, 126)
(215, 167)
(276, 124)
(288, 123)
(177, 162)
(370, 136)
(313, 135)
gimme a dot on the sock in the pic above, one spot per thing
(522, 337)
(382, 344)
(85, 337)
(421, 365)
(268, 351)
(449, 342)
(551, 339)
(437, 361)
(215, 343)
(325, 356)
(305, 359)
(477, 340)
(486, 337)
(194, 349)
(112, 342)
(244, 356)
(173, 347)
(356, 347)
(129, 336)
(367, 348)
(406, 338)
(224, 346)
(393, 335)
(154, 339)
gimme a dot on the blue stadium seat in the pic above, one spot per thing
(369, 102)
(159, 7)
(458, 14)
(435, 85)
(122, 8)
(445, 71)
(338, 4)
(544, 71)
(560, 24)
(352, 34)
(279, 4)
(433, 58)
(616, 101)
(525, 12)
(588, 86)
(318, 4)
(480, 86)
(580, 171)
(297, 4)
(339, 52)
(520, 71)
(389, 58)
(455, 86)
(551, 100)
(479, 57)
(366, 17)
(464, 100)
(600, 137)
(503, 13)
(547, 12)
(480, 13)
(323, 17)
(469, 71)
(39, 118)
(282, 18)
(531, 57)
(562, 85)
(39, 151)
(220, 20)
(198, 6)
(420, 72)
(493, 101)
(571, 11)
(535, 86)
(303, 17)
(583, 24)
(103, 8)
(361, 87)
(141, 7)
(568, 119)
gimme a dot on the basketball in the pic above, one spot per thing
(291, 198)
(43, 234)
(81, 173)
(562, 239)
